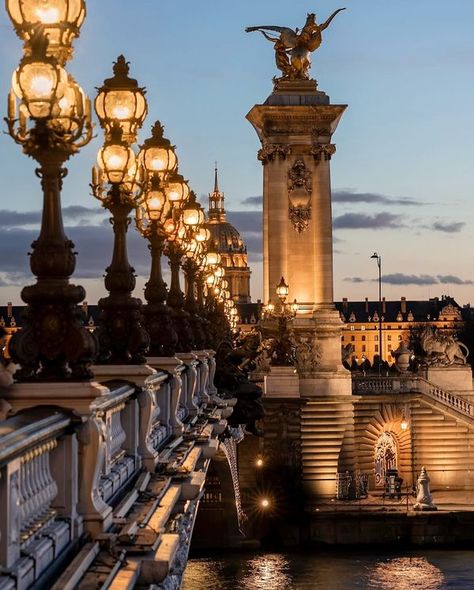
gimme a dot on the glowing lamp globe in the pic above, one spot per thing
(177, 189)
(116, 160)
(39, 82)
(157, 155)
(121, 101)
(60, 21)
(282, 289)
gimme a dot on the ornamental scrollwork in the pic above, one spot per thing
(299, 217)
(270, 151)
(323, 151)
(299, 177)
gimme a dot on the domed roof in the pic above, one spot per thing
(225, 237)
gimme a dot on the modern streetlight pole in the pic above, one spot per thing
(378, 258)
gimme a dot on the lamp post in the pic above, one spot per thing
(158, 159)
(121, 108)
(283, 311)
(49, 116)
(378, 258)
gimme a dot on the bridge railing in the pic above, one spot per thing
(38, 493)
(403, 384)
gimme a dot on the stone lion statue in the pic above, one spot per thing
(442, 350)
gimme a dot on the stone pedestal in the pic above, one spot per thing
(282, 382)
(457, 379)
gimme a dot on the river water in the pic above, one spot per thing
(414, 570)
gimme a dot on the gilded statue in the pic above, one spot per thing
(293, 48)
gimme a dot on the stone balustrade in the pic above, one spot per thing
(416, 384)
(67, 465)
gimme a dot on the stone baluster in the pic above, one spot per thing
(212, 389)
(11, 511)
(176, 389)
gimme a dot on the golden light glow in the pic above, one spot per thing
(265, 503)
(404, 424)
(48, 15)
(259, 461)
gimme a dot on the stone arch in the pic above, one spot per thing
(217, 520)
(385, 417)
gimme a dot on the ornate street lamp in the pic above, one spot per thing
(121, 101)
(59, 20)
(121, 335)
(283, 353)
(151, 214)
(54, 344)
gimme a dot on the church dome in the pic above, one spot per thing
(226, 240)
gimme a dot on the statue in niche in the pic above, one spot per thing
(293, 48)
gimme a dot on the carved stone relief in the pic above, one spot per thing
(299, 195)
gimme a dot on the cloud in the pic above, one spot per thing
(453, 280)
(364, 221)
(420, 280)
(352, 197)
(450, 228)
(9, 219)
(256, 201)
(246, 221)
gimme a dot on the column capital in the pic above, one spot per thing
(270, 151)
(322, 151)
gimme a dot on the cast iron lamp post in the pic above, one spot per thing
(52, 124)
(158, 160)
(378, 258)
(121, 108)
(177, 192)
(283, 311)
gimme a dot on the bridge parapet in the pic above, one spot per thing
(104, 460)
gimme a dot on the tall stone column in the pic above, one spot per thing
(295, 126)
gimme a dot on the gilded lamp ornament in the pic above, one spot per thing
(283, 353)
(49, 116)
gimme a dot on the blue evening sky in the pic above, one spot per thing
(402, 177)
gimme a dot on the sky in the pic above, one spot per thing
(403, 174)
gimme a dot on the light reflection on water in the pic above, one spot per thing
(420, 570)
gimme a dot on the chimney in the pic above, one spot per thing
(345, 305)
(9, 309)
(403, 305)
(85, 307)
(367, 305)
(384, 307)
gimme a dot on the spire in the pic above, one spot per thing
(216, 183)
(216, 201)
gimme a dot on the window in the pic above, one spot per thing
(376, 348)
(399, 337)
(389, 347)
(363, 338)
(353, 338)
(376, 337)
(352, 328)
(389, 337)
(389, 327)
(363, 348)
(342, 338)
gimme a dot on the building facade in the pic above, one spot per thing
(361, 332)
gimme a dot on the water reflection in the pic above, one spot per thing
(420, 570)
(406, 573)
